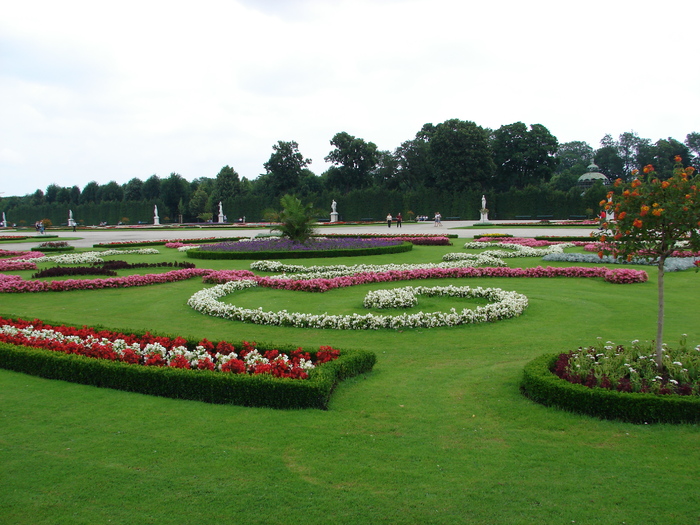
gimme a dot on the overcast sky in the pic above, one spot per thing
(104, 91)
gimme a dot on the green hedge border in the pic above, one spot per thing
(197, 385)
(541, 385)
(197, 253)
(46, 249)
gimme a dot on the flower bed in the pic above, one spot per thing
(16, 284)
(163, 242)
(505, 305)
(542, 385)
(53, 246)
(284, 248)
(672, 264)
(175, 367)
(106, 268)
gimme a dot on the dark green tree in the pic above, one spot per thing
(461, 156)
(51, 193)
(173, 190)
(151, 188)
(133, 190)
(198, 202)
(608, 159)
(692, 140)
(226, 186)
(64, 196)
(90, 193)
(111, 192)
(285, 167)
(575, 153)
(354, 161)
(75, 195)
(523, 156)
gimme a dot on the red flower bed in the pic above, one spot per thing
(150, 350)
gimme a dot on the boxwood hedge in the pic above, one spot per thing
(197, 253)
(542, 385)
(199, 385)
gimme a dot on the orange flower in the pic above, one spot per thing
(635, 171)
(626, 193)
(644, 211)
(602, 203)
(689, 170)
(600, 254)
(618, 236)
(618, 181)
(657, 212)
(648, 168)
(622, 215)
(665, 184)
(636, 182)
(678, 158)
(637, 223)
(602, 238)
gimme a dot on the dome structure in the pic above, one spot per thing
(589, 178)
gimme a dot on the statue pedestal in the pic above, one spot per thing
(484, 218)
(156, 221)
(221, 219)
(334, 216)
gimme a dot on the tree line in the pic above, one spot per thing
(523, 170)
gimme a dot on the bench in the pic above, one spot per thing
(577, 217)
(545, 217)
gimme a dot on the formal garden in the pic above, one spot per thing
(423, 379)
(438, 431)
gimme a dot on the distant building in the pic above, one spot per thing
(589, 178)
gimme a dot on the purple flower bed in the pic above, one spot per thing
(285, 245)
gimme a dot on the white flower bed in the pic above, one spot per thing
(517, 250)
(90, 257)
(505, 305)
(340, 270)
(394, 298)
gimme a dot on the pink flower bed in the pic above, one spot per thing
(9, 254)
(14, 265)
(224, 276)
(16, 284)
(522, 241)
(323, 285)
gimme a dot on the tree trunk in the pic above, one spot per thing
(660, 317)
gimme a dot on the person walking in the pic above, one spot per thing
(388, 220)
(438, 219)
(398, 220)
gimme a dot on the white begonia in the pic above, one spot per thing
(505, 305)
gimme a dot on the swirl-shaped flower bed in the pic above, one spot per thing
(504, 305)
(178, 368)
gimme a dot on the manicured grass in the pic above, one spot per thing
(437, 433)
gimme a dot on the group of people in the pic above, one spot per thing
(39, 226)
(399, 219)
(437, 219)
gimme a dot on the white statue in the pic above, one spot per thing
(156, 219)
(333, 205)
(483, 202)
(4, 220)
(222, 218)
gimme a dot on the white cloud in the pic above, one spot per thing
(94, 91)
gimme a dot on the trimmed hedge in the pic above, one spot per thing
(260, 390)
(47, 249)
(197, 253)
(541, 385)
(564, 238)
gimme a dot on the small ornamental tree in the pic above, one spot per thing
(652, 218)
(296, 220)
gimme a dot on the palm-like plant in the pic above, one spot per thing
(296, 219)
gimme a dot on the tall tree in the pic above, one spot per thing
(523, 156)
(285, 167)
(354, 161)
(461, 155)
(151, 188)
(173, 190)
(692, 140)
(111, 192)
(90, 193)
(608, 159)
(226, 186)
(133, 190)
(52, 193)
(575, 153)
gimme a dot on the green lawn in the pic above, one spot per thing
(437, 433)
